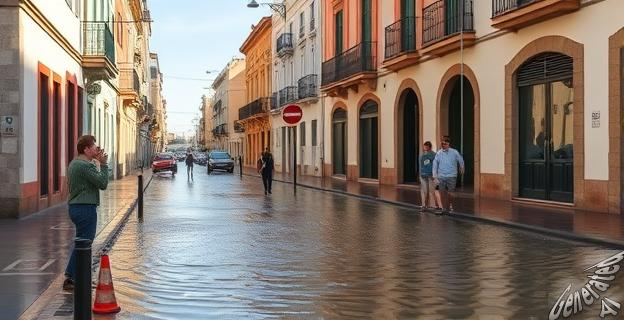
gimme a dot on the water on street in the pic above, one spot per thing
(218, 248)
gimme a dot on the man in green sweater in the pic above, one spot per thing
(85, 181)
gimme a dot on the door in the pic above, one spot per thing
(366, 21)
(461, 127)
(451, 16)
(546, 128)
(546, 141)
(408, 25)
(339, 142)
(369, 145)
(410, 138)
(339, 34)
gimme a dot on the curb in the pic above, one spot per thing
(610, 243)
(102, 244)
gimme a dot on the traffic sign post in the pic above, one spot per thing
(292, 114)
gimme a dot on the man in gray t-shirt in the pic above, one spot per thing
(447, 163)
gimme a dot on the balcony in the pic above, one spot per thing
(216, 108)
(98, 51)
(238, 127)
(220, 130)
(308, 87)
(444, 26)
(130, 88)
(401, 44)
(284, 45)
(257, 108)
(287, 95)
(274, 101)
(515, 14)
(350, 68)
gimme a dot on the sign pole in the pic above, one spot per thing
(295, 159)
(291, 115)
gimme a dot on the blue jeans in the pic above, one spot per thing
(84, 217)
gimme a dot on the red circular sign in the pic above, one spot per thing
(292, 114)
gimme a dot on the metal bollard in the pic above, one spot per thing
(82, 284)
(240, 165)
(140, 197)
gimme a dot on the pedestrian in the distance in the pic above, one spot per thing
(189, 164)
(268, 167)
(447, 163)
(427, 198)
(85, 181)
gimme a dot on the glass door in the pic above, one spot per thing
(546, 141)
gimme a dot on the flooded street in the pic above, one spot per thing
(218, 248)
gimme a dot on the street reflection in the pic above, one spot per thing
(224, 250)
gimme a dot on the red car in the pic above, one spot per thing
(165, 162)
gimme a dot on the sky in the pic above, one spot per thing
(190, 38)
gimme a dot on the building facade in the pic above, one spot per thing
(41, 99)
(254, 116)
(539, 121)
(296, 80)
(230, 94)
(62, 77)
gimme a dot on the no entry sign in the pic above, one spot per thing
(292, 114)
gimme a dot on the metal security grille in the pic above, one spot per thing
(545, 67)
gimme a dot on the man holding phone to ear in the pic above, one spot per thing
(85, 181)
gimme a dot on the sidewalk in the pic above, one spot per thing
(34, 250)
(598, 228)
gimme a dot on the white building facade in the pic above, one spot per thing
(41, 95)
(296, 80)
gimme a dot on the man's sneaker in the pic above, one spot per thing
(68, 285)
(438, 210)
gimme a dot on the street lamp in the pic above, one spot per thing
(276, 7)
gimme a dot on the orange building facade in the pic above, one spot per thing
(254, 116)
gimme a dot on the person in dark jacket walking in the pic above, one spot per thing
(85, 181)
(268, 167)
(189, 165)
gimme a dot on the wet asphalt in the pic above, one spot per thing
(218, 248)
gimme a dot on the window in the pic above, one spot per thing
(301, 24)
(56, 136)
(44, 122)
(314, 124)
(119, 30)
(71, 132)
(302, 132)
(312, 16)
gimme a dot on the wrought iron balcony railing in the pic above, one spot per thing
(274, 101)
(238, 127)
(287, 95)
(259, 106)
(308, 86)
(98, 40)
(446, 18)
(284, 44)
(360, 58)
(401, 37)
(500, 7)
(216, 108)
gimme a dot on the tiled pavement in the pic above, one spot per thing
(34, 250)
(595, 227)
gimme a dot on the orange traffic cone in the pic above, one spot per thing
(105, 301)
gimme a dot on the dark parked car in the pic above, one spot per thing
(165, 162)
(220, 160)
